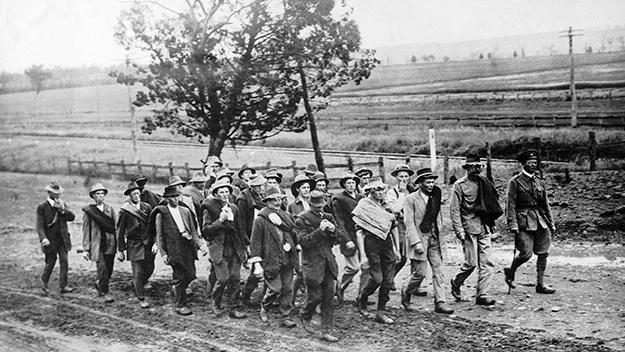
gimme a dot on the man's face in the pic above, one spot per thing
(260, 189)
(364, 179)
(403, 177)
(350, 185)
(378, 193)
(427, 185)
(135, 196)
(172, 201)
(246, 175)
(199, 185)
(531, 166)
(321, 186)
(273, 203)
(474, 170)
(272, 183)
(304, 190)
(223, 194)
(53, 196)
(179, 188)
(98, 197)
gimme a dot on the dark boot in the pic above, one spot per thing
(540, 286)
(509, 273)
(455, 291)
(442, 308)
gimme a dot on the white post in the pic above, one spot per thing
(432, 150)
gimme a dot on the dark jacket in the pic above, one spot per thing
(132, 233)
(52, 224)
(527, 205)
(94, 236)
(247, 202)
(295, 207)
(317, 256)
(343, 204)
(150, 197)
(224, 238)
(180, 250)
(268, 240)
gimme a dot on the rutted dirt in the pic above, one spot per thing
(587, 313)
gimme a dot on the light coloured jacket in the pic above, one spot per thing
(414, 211)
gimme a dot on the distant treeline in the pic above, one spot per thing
(61, 78)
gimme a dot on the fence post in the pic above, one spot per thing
(350, 163)
(154, 171)
(268, 165)
(592, 150)
(110, 169)
(294, 167)
(186, 168)
(80, 172)
(537, 146)
(489, 168)
(123, 168)
(445, 167)
(139, 167)
(54, 166)
(381, 169)
(567, 175)
(39, 168)
(69, 166)
(171, 169)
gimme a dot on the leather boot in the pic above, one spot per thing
(405, 300)
(455, 291)
(442, 308)
(540, 286)
(509, 273)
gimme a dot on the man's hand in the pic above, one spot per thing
(419, 248)
(350, 245)
(166, 259)
(120, 256)
(154, 248)
(45, 242)
(257, 270)
(553, 228)
(85, 255)
(204, 250)
(59, 204)
(223, 216)
(364, 263)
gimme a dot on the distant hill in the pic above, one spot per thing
(541, 44)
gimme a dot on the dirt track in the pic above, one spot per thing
(586, 314)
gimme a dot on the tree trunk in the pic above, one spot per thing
(311, 121)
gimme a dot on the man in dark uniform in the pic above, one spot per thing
(134, 238)
(52, 217)
(529, 218)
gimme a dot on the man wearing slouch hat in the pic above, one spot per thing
(134, 238)
(99, 241)
(273, 250)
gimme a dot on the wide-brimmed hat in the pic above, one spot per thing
(423, 174)
(400, 168)
(310, 170)
(98, 187)
(273, 193)
(256, 180)
(198, 177)
(273, 173)
(171, 191)
(175, 181)
(140, 180)
(131, 187)
(214, 160)
(245, 167)
(349, 176)
(362, 171)
(300, 180)
(54, 187)
(375, 183)
(471, 160)
(225, 172)
(221, 184)
(320, 176)
(317, 199)
(527, 154)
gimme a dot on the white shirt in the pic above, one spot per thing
(101, 207)
(527, 174)
(424, 196)
(175, 213)
(51, 202)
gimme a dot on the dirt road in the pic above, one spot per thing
(586, 314)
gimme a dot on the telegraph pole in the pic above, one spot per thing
(570, 33)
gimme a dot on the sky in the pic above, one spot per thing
(80, 32)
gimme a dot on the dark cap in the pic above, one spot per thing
(526, 155)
